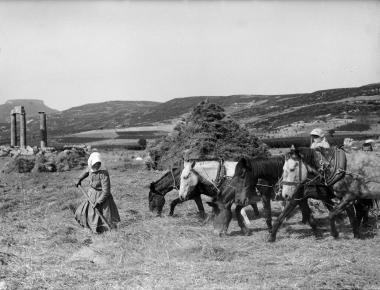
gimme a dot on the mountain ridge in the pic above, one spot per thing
(260, 113)
(32, 107)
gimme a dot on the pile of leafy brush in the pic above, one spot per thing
(207, 133)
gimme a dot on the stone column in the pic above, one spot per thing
(22, 129)
(13, 130)
(43, 129)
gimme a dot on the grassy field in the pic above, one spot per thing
(42, 246)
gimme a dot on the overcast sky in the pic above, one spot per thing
(69, 53)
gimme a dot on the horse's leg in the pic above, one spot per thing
(255, 209)
(290, 206)
(267, 211)
(329, 205)
(240, 219)
(366, 209)
(341, 206)
(359, 209)
(362, 207)
(353, 221)
(173, 205)
(306, 214)
(198, 201)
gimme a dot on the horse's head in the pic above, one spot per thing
(244, 183)
(189, 180)
(156, 200)
(294, 173)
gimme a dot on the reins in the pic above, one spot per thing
(174, 184)
(218, 177)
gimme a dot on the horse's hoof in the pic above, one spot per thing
(203, 215)
(357, 236)
(318, 234)
(219, 234)
(335, 235)
(271, 239)
(246, 233)
(366, 225)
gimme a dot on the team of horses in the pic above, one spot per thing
(342, 181)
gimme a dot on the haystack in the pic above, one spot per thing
(207, 133)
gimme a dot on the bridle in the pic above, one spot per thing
(295, 183)
(174, 186)
(309, 169)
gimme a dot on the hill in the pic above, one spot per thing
(264, 115)
(32, 108)
(97, 116)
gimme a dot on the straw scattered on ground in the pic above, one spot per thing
(42, 246)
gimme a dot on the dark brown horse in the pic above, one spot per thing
(252, 173)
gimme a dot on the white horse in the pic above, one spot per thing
(361, 181)
(208, 174)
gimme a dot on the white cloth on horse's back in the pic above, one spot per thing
(207, 169)
(230, 167)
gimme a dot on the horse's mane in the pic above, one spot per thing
(265, 166)
(308, 155)
(262, 166)
(175, 171)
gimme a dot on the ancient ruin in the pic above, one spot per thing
(43, 129)
(18, 110)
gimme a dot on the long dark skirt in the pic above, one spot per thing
(87, 217)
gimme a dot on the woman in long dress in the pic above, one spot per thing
(100, 196)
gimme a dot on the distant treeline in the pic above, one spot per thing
(80, 140)
(141, 134)
(305, 141)
(110, 147)
(355, 126)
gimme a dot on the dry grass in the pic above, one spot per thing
(42, 247)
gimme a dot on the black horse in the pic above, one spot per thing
(169, 181)
(251, 173)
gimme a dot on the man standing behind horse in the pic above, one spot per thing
(318, 139)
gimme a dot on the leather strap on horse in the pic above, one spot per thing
(221, 174)
(174, 183)
(337, 167)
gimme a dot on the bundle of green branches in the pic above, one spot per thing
(207, 133)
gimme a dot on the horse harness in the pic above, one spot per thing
(329, 171)
(220, 176)
(174, 184)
